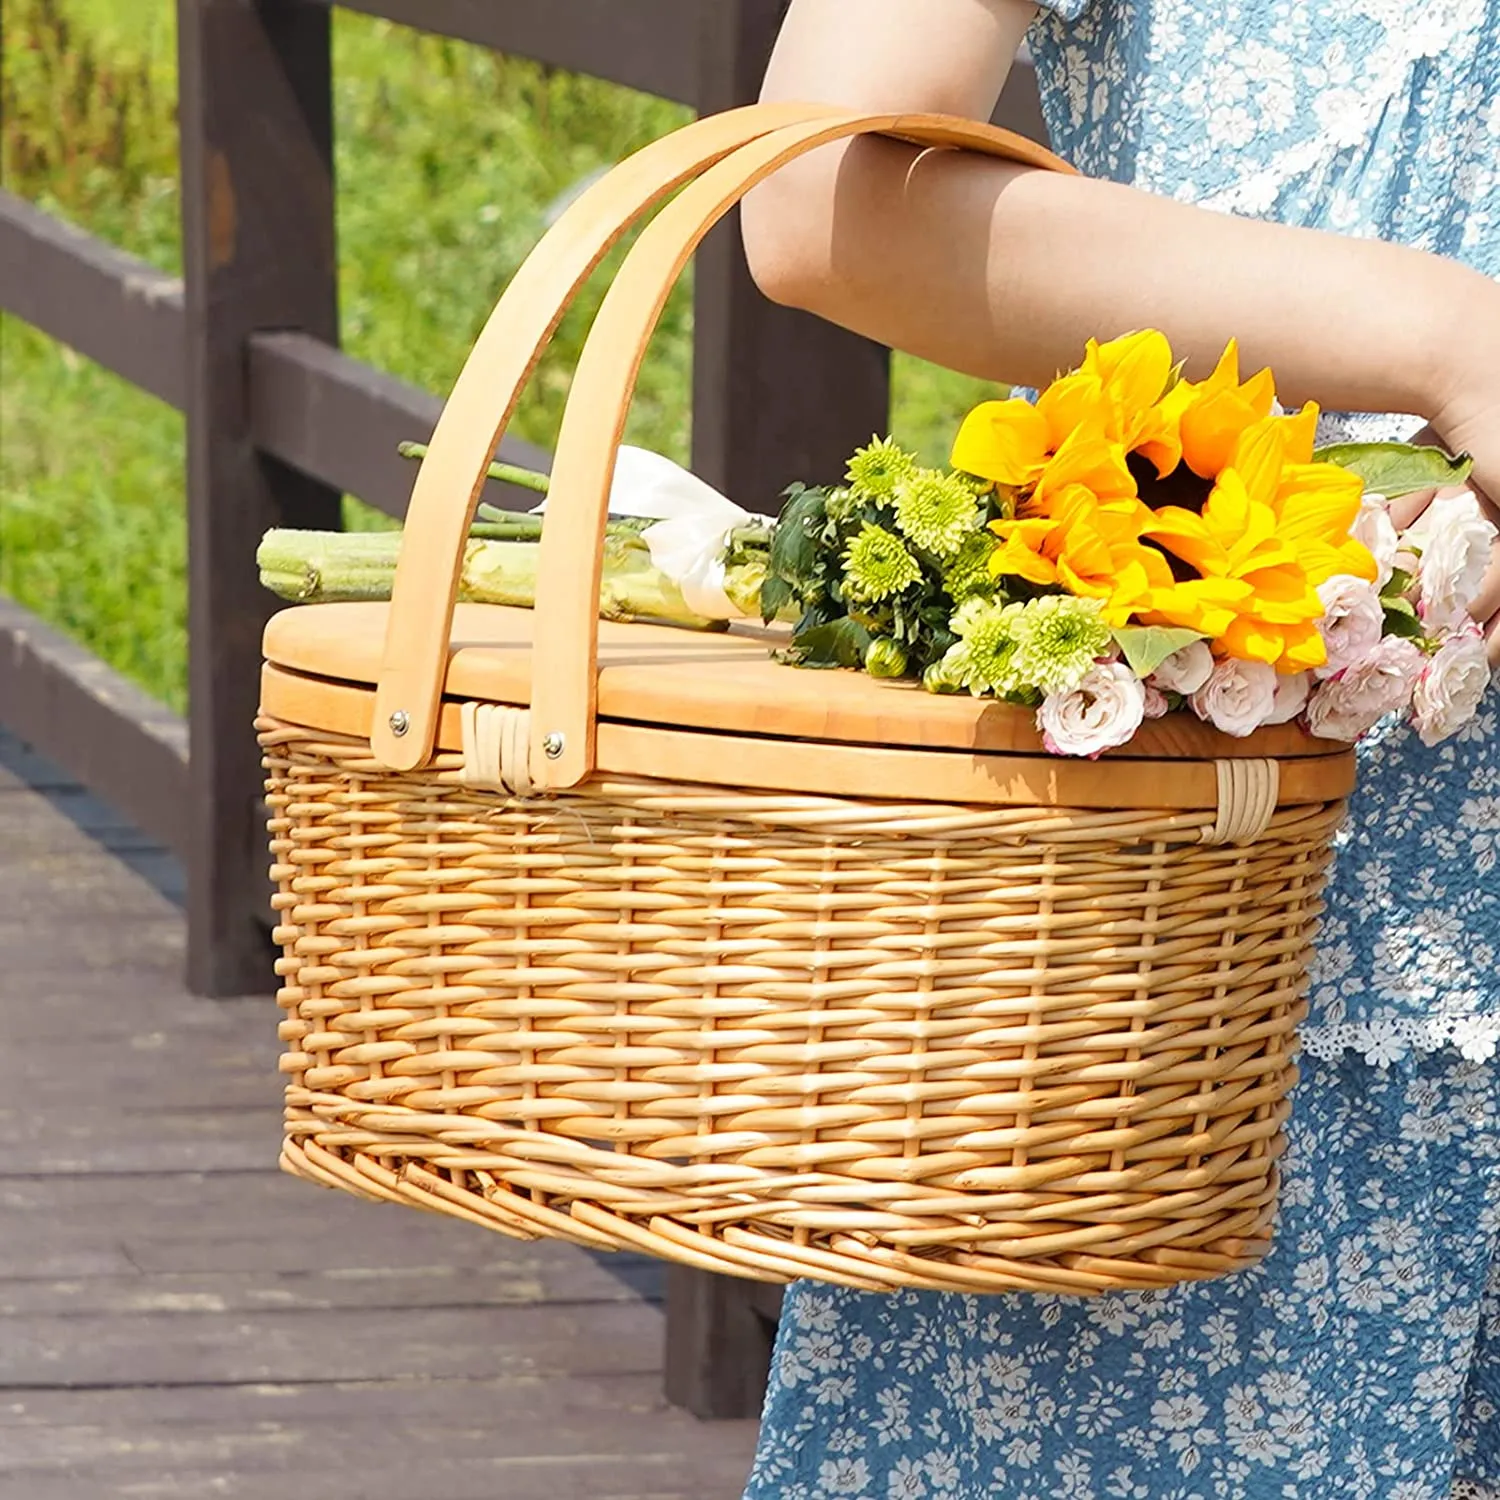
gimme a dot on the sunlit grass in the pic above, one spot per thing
(449, 160)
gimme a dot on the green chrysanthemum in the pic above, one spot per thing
(936, 511)
(1058, 638)
(877, 565)
(878, 467)
(968, 576)
(983, 658)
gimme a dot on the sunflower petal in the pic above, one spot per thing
(1135, 368)
(1250, 640)
(1005, 441)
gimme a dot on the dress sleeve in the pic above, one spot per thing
(1063, 10)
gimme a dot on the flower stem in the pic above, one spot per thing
(323, 567)
(527, 479)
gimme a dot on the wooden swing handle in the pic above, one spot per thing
(728, 155)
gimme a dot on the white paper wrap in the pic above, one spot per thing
(694, 522)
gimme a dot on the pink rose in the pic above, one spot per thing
(1454, 537)
(1448, 693)
(1349, 705)
(1353, 621)
(1238, 696)
(1375, 529)
(1185, 670)
(1292, 691)
(1103, 711)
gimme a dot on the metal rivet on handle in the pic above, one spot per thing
(552, 745)
(400, 722)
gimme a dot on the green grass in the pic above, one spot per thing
(448, 161)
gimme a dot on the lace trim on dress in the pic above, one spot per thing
(1387, 1039)
(1471, 1489)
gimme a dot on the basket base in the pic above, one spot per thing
(380, 1174)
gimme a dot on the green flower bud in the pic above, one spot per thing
(939, 678)
(885, 658)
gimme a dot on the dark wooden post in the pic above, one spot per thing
(256, 117)
(777, 395)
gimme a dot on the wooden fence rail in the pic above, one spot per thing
(280, 424)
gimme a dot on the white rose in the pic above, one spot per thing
(1103, 711)
(1353, 621)
(1156, 703)
(1374, 528)
(1454, 538)
(1448, 692)
(1344, 707)
(1184, 671)
(1238, 696)
(1292, 692)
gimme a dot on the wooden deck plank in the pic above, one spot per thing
(179, 1319)
(606, 1477)
(550, 1280)
(277, 1347)
(201, 1224)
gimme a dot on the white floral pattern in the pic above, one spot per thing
(1361, 1359)
(1370, 117)
(1378, 118)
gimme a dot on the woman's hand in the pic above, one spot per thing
(1479, 436)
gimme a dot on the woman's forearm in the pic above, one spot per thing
(1004, 272)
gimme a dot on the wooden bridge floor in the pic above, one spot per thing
(178, 1319)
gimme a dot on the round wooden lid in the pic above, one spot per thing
(663, 676)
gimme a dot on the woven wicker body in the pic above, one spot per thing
(631, 937)
(979, 1048)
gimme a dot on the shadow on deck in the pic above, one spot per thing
(178, 1319)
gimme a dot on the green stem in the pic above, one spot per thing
(321, 567)
(523, 528)
(527, 479)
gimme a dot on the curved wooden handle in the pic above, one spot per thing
(483, 398)
(564, 667)
(733, 151)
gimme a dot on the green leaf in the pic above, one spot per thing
(1401, 619)
(842, 643)
(1397, 584)
(775, 595)
(1395, 469)
(1146, 647)
(794, 549)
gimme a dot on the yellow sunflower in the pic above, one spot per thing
(1274, 527)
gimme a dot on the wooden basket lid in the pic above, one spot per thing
(727, 681)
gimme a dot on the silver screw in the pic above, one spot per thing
(552, 745)
(400, 722)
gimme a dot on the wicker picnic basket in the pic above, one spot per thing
(630, 936)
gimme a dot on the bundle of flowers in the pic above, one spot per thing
(1133, 543)
(1128, 545)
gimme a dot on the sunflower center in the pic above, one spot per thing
(1181, 487)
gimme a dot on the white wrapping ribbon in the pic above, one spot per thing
(694, 523)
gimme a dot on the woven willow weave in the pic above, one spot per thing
(774, 1035)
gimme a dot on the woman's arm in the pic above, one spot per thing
(1005, 271)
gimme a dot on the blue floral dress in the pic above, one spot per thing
(1362, 1357)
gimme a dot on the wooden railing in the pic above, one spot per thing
(280, 424)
